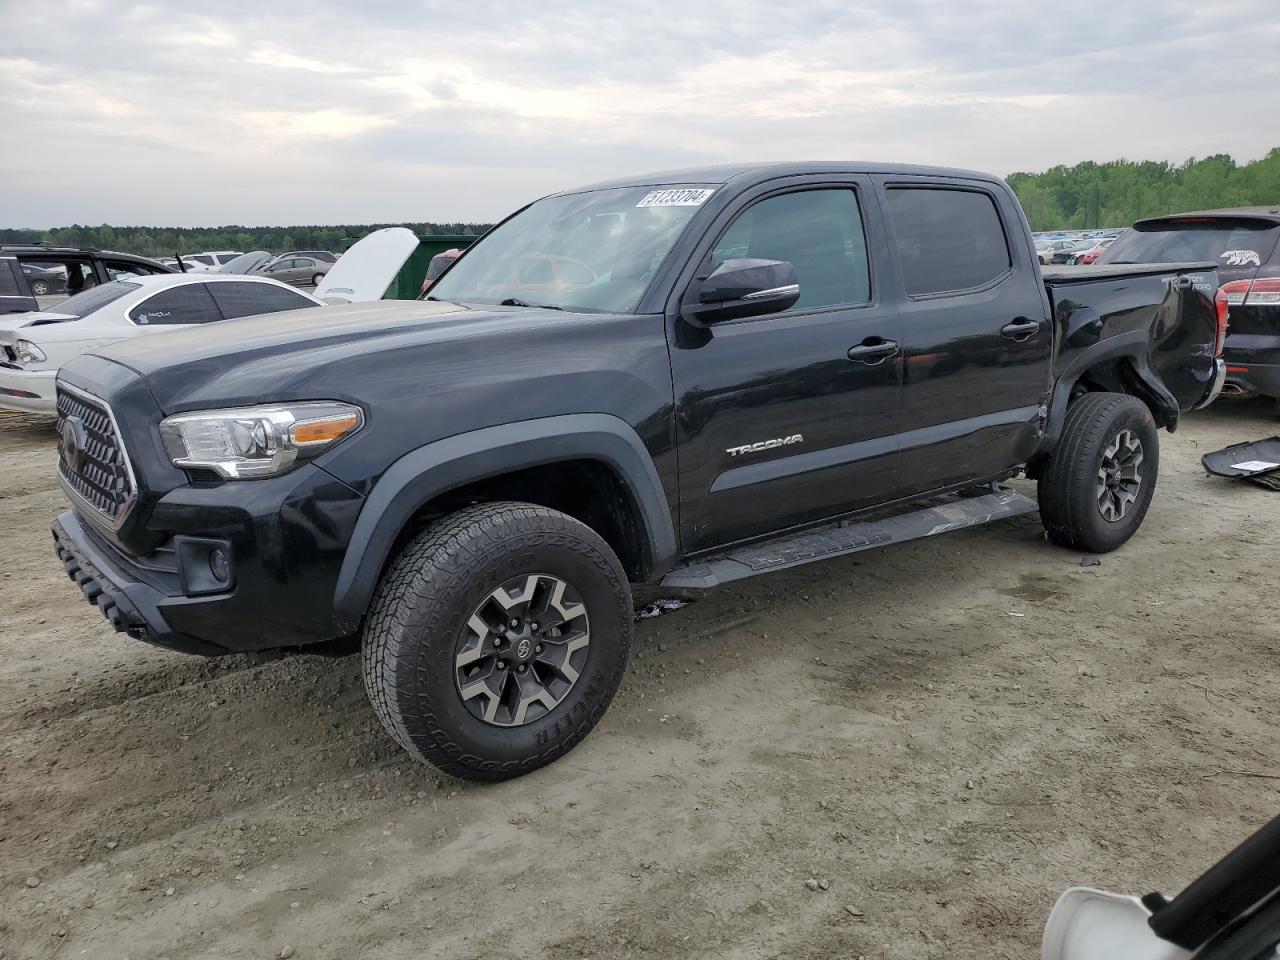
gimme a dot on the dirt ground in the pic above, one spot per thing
(949, 733)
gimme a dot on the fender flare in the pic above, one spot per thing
(435, 468)
(1130, 346)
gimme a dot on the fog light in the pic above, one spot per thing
(218, 565)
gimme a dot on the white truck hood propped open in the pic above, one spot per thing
(366, 270)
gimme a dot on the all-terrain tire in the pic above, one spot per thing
(1069, 490)
(423, 604)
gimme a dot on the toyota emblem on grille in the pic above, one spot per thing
(74, 440)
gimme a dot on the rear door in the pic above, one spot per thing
(15, 295)
(975, 332)
(777, 424)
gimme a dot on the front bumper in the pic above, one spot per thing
(28, 391)
(282, 539)
(132, 605)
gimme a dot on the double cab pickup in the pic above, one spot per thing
(680, 379)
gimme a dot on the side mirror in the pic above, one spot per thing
(744, 287)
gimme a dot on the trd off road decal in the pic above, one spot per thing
(765, 445)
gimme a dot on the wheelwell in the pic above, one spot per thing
(587, 490)
(1116, 374)
(1121, 375)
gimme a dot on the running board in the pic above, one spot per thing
(848, 538)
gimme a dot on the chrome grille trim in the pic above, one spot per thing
(108, 463)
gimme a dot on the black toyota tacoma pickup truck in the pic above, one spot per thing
(684, 379)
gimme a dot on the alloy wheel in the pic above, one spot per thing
(1119, 476)
(522, 650)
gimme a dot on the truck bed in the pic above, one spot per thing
(1058, 275)
(1175, 321)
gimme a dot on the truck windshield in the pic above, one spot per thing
(1232, 242)
(592, 252)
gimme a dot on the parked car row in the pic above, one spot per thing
(33, 346)
(30, 273)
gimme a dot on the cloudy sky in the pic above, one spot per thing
(210, 112)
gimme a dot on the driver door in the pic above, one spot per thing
(789, 418)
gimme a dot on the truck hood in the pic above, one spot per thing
(312, 353)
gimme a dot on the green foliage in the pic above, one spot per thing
(166, 241)
(1116, 193)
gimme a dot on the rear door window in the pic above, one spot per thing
(188, 304)
(949, 240)
(245, 299)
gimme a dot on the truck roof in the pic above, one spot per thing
(753, 172)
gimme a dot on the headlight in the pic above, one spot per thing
(245, 442)
(28, 352)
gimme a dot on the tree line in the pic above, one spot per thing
(1116, 193)
(1084, 196)
(166, 241)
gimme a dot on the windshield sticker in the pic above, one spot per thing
(1241, 258)
(687, 197)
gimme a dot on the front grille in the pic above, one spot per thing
(92, 461)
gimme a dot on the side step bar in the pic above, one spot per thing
(854, 537)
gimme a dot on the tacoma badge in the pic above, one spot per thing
(766, 445)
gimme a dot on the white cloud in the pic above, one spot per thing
(240, 112)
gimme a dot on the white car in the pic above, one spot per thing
(210, 261)
(34, 345)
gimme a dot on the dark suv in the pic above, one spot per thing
(685, 378)
(1245, 243)
(37, 276)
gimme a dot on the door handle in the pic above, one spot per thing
(873, 350)
(1021, 329)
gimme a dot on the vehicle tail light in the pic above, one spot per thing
(1221, 300)
(1265, 292)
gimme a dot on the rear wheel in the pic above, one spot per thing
(39, 287)
(1096, 489)
(315, 281)
(497, 639)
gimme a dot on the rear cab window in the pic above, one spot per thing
(950, 239)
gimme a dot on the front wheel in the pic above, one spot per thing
(40, 288)
(1097, 487)
(496, 639)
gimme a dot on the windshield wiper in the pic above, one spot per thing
(517, 302)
